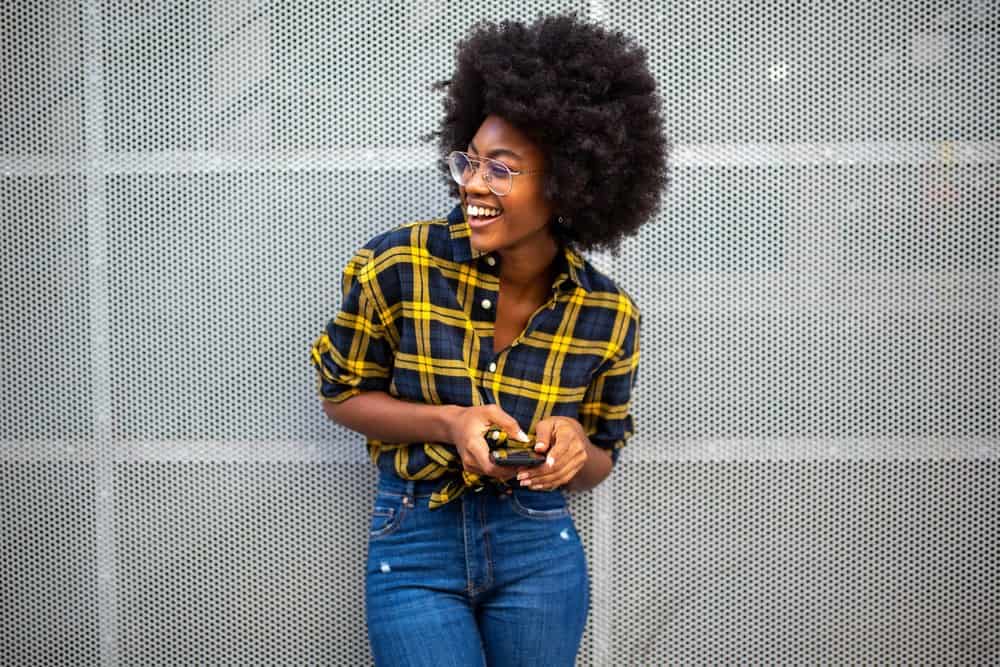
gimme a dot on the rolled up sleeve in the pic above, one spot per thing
(605, 412)
(355, 351)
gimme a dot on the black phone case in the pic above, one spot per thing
(502, 455)
(516, 457)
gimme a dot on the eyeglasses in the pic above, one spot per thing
(498, 176)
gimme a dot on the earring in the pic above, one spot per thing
(564, 221)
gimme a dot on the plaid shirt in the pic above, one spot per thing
(417, 321)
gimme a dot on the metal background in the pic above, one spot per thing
(814, 476)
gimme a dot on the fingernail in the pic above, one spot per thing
(521, 475)
(550, 460)
(521, 435)
(539, 446)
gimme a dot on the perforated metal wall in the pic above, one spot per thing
(815, 475)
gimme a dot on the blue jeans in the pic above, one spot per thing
(488, 579)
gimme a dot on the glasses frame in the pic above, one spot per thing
(476, 163)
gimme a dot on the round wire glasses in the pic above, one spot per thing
(498, 176)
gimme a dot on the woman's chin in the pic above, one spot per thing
(481, 240)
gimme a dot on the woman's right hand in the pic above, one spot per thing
(467, 429)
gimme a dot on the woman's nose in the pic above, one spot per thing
(477, 183)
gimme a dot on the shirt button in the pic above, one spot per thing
(490, 260)
(493, 366)
(486, 304)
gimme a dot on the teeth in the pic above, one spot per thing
(477, 211)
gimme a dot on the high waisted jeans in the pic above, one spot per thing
(488, 579)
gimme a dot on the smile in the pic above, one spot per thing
(477, 222)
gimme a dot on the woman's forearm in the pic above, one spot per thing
(377, 415)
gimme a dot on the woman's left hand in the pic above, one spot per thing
(565, 442)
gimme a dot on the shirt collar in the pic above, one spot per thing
(571, 264)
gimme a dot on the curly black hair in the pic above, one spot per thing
(585, 96)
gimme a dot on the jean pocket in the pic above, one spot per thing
(539, 504)
(386, 517)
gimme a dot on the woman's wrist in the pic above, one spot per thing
(448, 416)
(595, 469)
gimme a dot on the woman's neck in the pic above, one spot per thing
(528, 271)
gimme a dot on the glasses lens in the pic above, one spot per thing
(497, 175)
(461, 169)
(498, 178)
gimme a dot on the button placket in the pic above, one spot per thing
(494, 363)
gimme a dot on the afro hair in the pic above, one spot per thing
(585, 97)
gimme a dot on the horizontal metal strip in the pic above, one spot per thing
(824, 291)
(421, 157)
(338, 451)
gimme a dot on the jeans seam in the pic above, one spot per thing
(465, 544)
(488, 579)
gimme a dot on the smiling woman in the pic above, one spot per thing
(489, 317)
(524, 240)
(584, 98)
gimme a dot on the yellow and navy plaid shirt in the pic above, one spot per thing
(417, 321)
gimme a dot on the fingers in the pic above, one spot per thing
(476, 455)
(482, 463)
(556, 450)
(507, 423)
(546, 477)
(543, 435)
(505, 472)
(485, 462)
(565, 457)
(476, 459)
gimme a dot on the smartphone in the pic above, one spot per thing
(516, 457)
(502, 455)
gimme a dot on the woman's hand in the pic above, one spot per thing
(466, 432)
(566, 443)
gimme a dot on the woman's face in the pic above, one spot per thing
(525, 214)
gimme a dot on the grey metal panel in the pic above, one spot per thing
(42, 105)
(779, 71)
(49, 605)
(806, 562)
(241, 563)
(45, 385)
(223, 292)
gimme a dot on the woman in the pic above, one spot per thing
(553, 144)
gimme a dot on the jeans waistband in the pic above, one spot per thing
(417, 488)
(420, 488)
